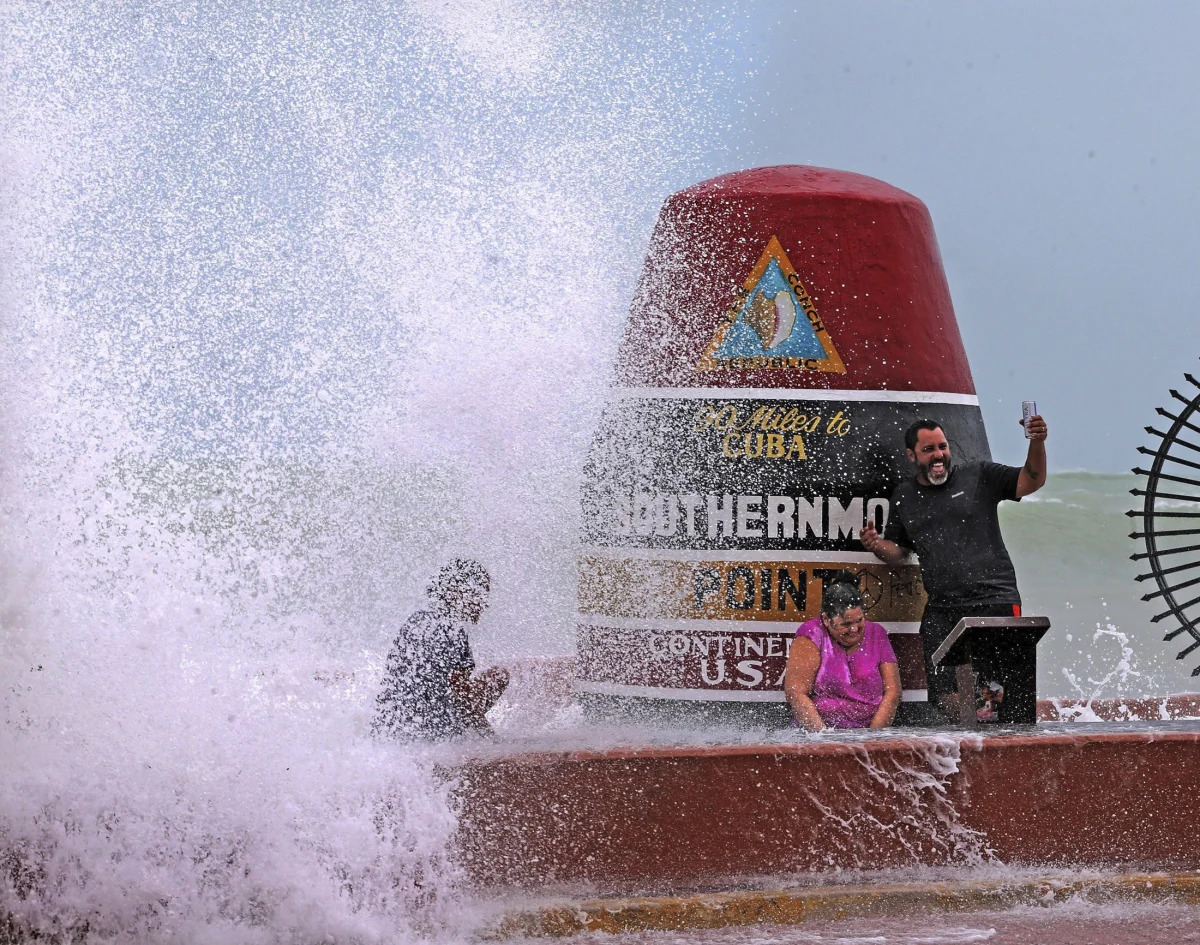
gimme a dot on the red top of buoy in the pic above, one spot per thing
(791, 179)
(794, 277)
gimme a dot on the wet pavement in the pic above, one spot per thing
(1071, 923)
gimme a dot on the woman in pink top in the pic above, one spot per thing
(841, 671)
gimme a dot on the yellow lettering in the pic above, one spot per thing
(727, 446)
(838, 425)
(774, 445)
(768, 418)
(796, 448)
(724, 418)
(758, 445)
(754, 420)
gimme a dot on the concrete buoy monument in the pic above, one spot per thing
(789, 324)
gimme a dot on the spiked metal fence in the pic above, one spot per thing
(1172, 498)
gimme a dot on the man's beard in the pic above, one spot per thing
(938, 478)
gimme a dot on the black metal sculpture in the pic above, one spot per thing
(1168, 552)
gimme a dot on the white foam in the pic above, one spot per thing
(296, 302)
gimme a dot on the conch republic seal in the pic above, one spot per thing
(789, 324)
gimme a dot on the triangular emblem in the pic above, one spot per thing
(772, 324)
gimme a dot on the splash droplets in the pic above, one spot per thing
(296, 300)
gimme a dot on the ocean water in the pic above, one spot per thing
(1070, 544)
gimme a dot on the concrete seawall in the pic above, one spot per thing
(665, 820)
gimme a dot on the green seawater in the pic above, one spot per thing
(1071, 547)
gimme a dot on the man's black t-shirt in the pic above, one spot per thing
(416, 701)
(956, 532)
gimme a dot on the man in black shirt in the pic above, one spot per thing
(430, 687)
(947, 514)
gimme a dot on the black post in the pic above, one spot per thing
(997, 648)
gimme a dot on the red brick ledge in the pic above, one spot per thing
(669, 818)
(1179, 706)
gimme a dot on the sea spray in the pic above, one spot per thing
(1120, 672)
(296, 301)
(191, 760)
(231, 854)
(911, 807)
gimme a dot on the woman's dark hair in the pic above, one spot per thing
(840, 593)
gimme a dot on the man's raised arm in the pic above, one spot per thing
(1033, 473)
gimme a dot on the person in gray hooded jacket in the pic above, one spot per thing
(430, 687)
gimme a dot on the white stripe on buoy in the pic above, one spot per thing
(705, 695)
(726, 626)
(787, 393)
(686, 554)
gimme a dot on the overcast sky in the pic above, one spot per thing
(1055, 146)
